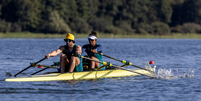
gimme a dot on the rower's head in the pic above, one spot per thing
(69, 39)
(92, 38)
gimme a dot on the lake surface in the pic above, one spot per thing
(180, 58)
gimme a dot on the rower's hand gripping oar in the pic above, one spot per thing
(106, 64)
(126, 62)
(32, 64)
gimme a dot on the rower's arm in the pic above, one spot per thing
(55, 53)
(97, 50)
(79, 50)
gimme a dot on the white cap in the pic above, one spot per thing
(92, 37)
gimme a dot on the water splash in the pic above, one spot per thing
(150, 68)
(164, 73)
(189, 73)
(169, 74)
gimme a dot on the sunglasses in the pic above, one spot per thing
(67, 40)
(91, 39)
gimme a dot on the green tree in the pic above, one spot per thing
(83, 9)
(160, 28)
(164, 11)
(80, 25)
(35, 15)
(138, 10)
(28, 13)
(93, 7)
(98, 24)
(177, 6)
(67, 9)
(114, 16)
(191, 11)
(8, 10)
(5, 26)
(24, 12)
(56, 24)
(71, 10)
(108, 9)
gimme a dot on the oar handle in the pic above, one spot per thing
(29, 67)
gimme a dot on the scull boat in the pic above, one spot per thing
(111, 71)
(85, 75)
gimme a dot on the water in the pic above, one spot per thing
(178, 58)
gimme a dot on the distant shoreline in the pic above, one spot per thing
(149, 36)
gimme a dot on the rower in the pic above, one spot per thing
(93, 49)
(69, 61)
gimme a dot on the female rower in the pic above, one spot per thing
(93, 50)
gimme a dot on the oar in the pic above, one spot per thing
(44, 68)
(105, 63)
(125, 62)
(39, 71)
(55, 64)
(48, 66)
(29, 66)
(104, 66)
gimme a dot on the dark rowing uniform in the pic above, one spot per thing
(98, 47)
(78, 68)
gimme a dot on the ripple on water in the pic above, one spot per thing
(173, 57)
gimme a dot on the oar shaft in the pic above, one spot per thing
(133, 71)
(110, 57)
(29, 67)
(117, 66)
(39, 71)
(45, 68)
(123, 61)
(49, 66)
(22, 71)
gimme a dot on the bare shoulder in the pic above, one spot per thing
(62, 47)
(78, 46)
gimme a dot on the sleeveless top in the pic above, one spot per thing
(79, 67)
(68, 53)
(98, 47)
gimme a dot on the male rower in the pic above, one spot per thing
(93, 49)
(69, 61)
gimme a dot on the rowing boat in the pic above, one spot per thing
(111, 71)
(85, 75)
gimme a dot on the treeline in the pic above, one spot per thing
(105, 16)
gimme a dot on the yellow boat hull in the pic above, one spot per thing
(79, 75)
